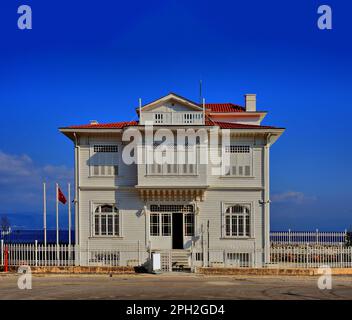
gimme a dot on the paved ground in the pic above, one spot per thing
(173, 286)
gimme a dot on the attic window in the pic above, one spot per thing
(106, 148)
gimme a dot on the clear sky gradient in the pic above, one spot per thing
(87, 60)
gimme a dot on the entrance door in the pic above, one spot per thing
(177, 230)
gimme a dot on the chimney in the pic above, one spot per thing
(250, 102)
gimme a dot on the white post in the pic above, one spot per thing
(36, 252)
(57, 214)
(44, 218)
(69, 215)
(57, 223)
(317, 236)
(139, 250)
(289, 236)
(2, 252)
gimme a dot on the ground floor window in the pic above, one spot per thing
(189, 224)
(160, 224)
(237, 221)
(106, 220)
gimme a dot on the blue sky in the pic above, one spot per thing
(93, 60)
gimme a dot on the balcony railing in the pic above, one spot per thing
(173, 118)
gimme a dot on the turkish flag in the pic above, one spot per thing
(61, 197)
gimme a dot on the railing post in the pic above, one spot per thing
(150, 250)
(317, 236)
(191, 262)
(139, 251)
(289, 236)
(57, 255)
(307, 255)
(88, 253)
(36, 252)
(2, 252)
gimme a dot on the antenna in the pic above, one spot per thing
(203, 110)
(200, 91)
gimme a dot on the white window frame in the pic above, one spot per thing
(161, 224)
(251, 161)
(184, 224)
(94, 206)
(224, 207)
(112, 167)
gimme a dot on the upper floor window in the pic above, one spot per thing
(240, 161)
(177, 162)
(104, 160)
(159, 118)
(106, 221)
(237, 221)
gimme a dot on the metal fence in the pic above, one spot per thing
(66, 255)
(281, 255)
(311, 237)
(308, 256)
(37, 255)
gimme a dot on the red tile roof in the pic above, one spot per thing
(208, 122)
(224, 107)
(228, 125)
(114, 125)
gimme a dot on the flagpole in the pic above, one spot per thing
(69, 217)
(44, 218)
(57, 214)
(57, 223)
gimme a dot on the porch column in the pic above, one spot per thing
(266, 205)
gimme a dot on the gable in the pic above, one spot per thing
(171, 103)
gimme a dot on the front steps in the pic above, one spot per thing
(180, 260)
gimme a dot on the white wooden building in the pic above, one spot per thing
(201, 206)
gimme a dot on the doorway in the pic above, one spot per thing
(177, 230)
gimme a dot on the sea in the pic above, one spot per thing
(29, 236)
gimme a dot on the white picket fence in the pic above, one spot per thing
(37, 254)
(281, 255)
(308, 256)
(311, 237)
(132, 254)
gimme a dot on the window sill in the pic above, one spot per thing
(237, 238)
(171, 175)
(106, 237)
(236, 177)
(105, 177)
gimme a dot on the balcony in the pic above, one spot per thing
(173, 118)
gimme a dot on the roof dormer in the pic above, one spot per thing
(172, 109)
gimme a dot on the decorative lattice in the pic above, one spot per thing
(237, 149)
(106, 148)
(171, 208)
